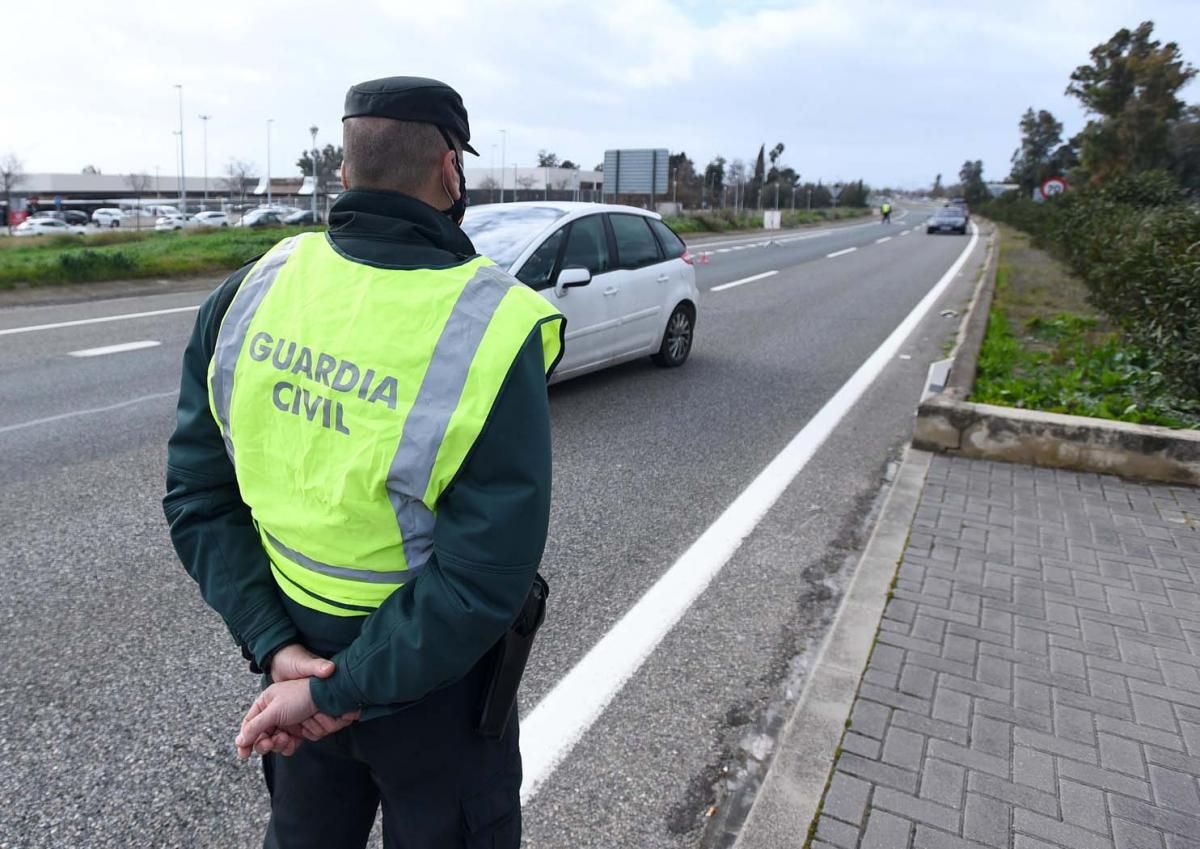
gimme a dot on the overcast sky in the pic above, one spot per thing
(890, 92)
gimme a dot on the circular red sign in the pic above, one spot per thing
(1052, 186)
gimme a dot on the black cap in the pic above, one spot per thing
(416, 99)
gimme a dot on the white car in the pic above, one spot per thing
(208, 219)
(621, 276)
(47, 227)
(108, 217)
(170, 222)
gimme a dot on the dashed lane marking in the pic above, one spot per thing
(744, 280)
(119, 348)
(842, 252)
(98, 320)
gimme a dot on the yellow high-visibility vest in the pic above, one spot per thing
(350, 395)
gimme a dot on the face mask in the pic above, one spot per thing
(458, 208)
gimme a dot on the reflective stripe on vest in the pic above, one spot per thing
(349, 396)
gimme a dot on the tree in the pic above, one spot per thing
(329, 161)
(546, 159)
(760, 174)
(489, 184)
(714, 177)
(973, 188)
(90, 169)
(737, 177)
(138, 183)
(687, 184)
(566, 163)
(1183, 147)
(599, 167)
(12, 173)
(526, 181)
(1041, 138)
(1131, 87)
(937, 191)
(237, 173)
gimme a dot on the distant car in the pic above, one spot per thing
(621, 276)
(961, 203)
(77, 217)
(303, 217)
(208, 219)
(108, 217)
(47, 227)
(948, 219)
(261, 218)
(170, 222)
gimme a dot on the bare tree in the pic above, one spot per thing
(237, 173)
(12, 172)
(489, 185)
(138, 183)
(526, 181)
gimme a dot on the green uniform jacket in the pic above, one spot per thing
(490, 527)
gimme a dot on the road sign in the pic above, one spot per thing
(636, 172)
(1052, 186)
(835, 190)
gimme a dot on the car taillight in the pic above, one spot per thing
(686, 256)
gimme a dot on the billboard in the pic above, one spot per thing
(636, 172)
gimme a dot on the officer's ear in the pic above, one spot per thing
(449, 173)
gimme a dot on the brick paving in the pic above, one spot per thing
(1036, 682)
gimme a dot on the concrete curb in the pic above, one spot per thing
(949, 424)
(791, 794)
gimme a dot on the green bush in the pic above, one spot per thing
(1135, 242)
(88, 265)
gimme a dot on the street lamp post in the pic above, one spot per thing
(492, 193)
(503, 157)
(182, 178)
(205, 118)
(156, 194)
(270, 121)
(313, 130)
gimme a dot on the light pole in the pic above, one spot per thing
(182, 183)
(205, 118)
(270, 121)
(503, 157)
(156, 194)
(492, 193)
(313, 130)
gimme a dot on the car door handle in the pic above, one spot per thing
(610, 291)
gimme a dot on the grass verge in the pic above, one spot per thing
(720, 220)
(124, 256)
(1047, 348)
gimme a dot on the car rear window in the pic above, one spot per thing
(672, 245)
(636, 245)
(501, 234)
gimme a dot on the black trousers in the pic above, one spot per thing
(439, 783)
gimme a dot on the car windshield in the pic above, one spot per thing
(949, 212)
(501, 233)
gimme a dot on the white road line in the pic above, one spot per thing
(842, 252)
(749, 279)
(89, 412)
(723, 250)
(884, 239)
(564, 714)
(100, 320)
(116, 349)
(906, 232)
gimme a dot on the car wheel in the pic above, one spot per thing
(225, 224)
(677, 339)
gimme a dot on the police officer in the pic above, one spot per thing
(359, 482)
(886, 210)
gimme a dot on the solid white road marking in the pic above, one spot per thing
(749, 279)
(119, 348)
(556, 723)
(77, 322)
(906, 232)
(93, 410)
(884, 239)
(723, 250)
(842, 252)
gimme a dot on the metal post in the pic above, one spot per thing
(492, 171)
(156, 194)
(270, 121)
(182, 161)
(777, 194)
(313, 130)
(810, 200)
(793, 198)
(503, 156)
(205, 118)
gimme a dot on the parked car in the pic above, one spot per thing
(47, 227)
(621, 276)
(208, 219)
(948, 219)
(108, 217)
(303, 218)
(76, 217)
(261, 218)
(170, 222)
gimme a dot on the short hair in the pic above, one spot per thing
(399, 156)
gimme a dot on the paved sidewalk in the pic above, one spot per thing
(1036, 682)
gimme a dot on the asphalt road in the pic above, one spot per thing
(120, 691)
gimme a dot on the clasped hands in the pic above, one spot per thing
(284, 715)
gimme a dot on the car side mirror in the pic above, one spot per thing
(571, 278)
